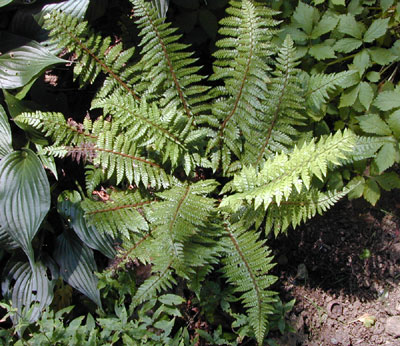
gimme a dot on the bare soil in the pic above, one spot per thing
(343, 269)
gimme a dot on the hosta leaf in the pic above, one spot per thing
(161, 6)
(24, 196)
(69, 207)
(27, 288)
(377, 29)
(6, 241)
(77, 265)
(386, 157)
(5, 2)
(372, 123)
(20, 65)
(76, 8)
(5, 134)
(388, 100)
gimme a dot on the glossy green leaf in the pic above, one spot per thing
(381, 56)
(5, 2)
(386, 157)
(76, 8)
(28, 288)
(322, 51)
(366, 94)
(348, 25)
(346, 45)
(377, 29)
(5, 134)
(24, 196)
(20, 65)
(394, 123)
(69, 207)
(388, 100)
(305, 16)
(373, 124)
(372, 192)
(77, 265)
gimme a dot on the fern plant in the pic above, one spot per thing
(196, 171)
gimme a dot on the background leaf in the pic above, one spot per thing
(5, 134)
(377, 29)
(77, 265)
(26, 286)
(21, 64)
(161, 6)
(69, 207)
(24, 196)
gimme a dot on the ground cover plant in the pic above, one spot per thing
(186, 176)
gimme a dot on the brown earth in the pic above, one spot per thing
(343, 269)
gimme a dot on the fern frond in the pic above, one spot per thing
(300, 207)
(92, 52)
(168, 133)
(246, 264)
(60, 130)
(275, 181)
(166, 65)
(273, 130)
(241, 65)
(123, 213)
(320, 85)
(183, 213)
(93, 177)
(161, 280)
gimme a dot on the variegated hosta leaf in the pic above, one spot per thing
(5, 134)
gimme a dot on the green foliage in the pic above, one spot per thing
(187, 175)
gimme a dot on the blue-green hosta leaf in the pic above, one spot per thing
(6, 242)
(161, 6)
(20, 65)
(5, 2)
(76, 8)
(388, 100)
(28, 288)
(24, 196)
(77, 265)
(69, 207)
(377, 29)
(5, 134)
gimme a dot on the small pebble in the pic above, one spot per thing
(393, 326)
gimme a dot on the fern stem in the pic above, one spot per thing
(120, 207)
(178, 207)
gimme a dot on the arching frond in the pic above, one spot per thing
(275, 181)
(246, 265)
(241, 65)
(167, 66)
(92, 52)
(273, 129)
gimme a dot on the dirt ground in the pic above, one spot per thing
(343, 269)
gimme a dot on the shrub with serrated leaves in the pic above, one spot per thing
(190, 173)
